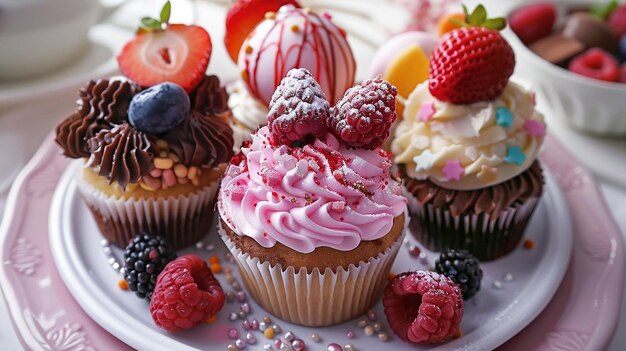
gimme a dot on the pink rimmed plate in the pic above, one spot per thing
(48, 318)
(517, 287)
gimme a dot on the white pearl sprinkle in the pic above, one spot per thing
(508, 277)
(497, 284)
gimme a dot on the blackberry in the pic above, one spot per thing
(462, 268)
(145, 257)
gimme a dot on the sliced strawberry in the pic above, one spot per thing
(179, 54)
(243, 16)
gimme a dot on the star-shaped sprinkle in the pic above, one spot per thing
(424, 162)
(487, 174)
(426, 112)
(504, 117)
(515, 155)
(534, 128)
(453, 170)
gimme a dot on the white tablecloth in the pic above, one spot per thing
(22, 128)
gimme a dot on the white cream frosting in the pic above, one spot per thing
(463, 147)
(247, 110)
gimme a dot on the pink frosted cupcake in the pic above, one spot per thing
(314, 218)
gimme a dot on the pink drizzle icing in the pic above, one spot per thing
(316, 44)
(321, 195)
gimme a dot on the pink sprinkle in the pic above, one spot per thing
(327, 15)
(426, 112)
(533, 97)
(453, 170)
(236, 193)
(534, 128)
(169, 177)
(156, 173)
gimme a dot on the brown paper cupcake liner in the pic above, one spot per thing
(182, 220)
(486, 237)
(314, 298)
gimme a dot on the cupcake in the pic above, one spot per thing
(290, 38)
(467, 148)
(308, 208)
(154, 143)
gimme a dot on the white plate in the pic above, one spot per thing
(98, 60)
(491, 318)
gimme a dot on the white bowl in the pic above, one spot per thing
(588, 104)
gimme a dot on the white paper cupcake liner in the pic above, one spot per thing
(314, 298)
(181, 220)
(484, 236)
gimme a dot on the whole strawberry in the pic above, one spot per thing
(473, 63)
(363, 116)
(298, 110)
(163, 52)
(185, 295)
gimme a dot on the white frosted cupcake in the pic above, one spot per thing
(290, 38)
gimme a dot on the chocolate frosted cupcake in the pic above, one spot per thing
(154, 143)
(467, 148)
(315, 220)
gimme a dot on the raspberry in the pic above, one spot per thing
(145, 257)
(298, 110)
(617, 21)
(186, 294)
(423, 306)
(363, 116)
(462, 268)
(596, 63)
(533, 22)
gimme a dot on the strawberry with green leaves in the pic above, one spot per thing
(164, 52)
(473, 63)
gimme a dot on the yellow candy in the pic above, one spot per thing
(162, 144)
(193, 172)
(269, 333)
(406, 71)
(180, 170)
(163, 163)
(146, 187)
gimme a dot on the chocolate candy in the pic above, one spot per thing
(590, 31)
(557, 48)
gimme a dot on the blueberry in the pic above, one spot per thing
(159, 108)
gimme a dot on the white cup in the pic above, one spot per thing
(39, 36)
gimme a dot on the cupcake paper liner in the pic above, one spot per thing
(314, 298)
(486, 237)
(182, 220)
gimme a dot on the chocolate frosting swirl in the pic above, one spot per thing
(123, 154)
(205, 138)
(202, 139)
(491, 200)
(101, 104)
(210, 98)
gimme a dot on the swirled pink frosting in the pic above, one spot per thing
(323, 194)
